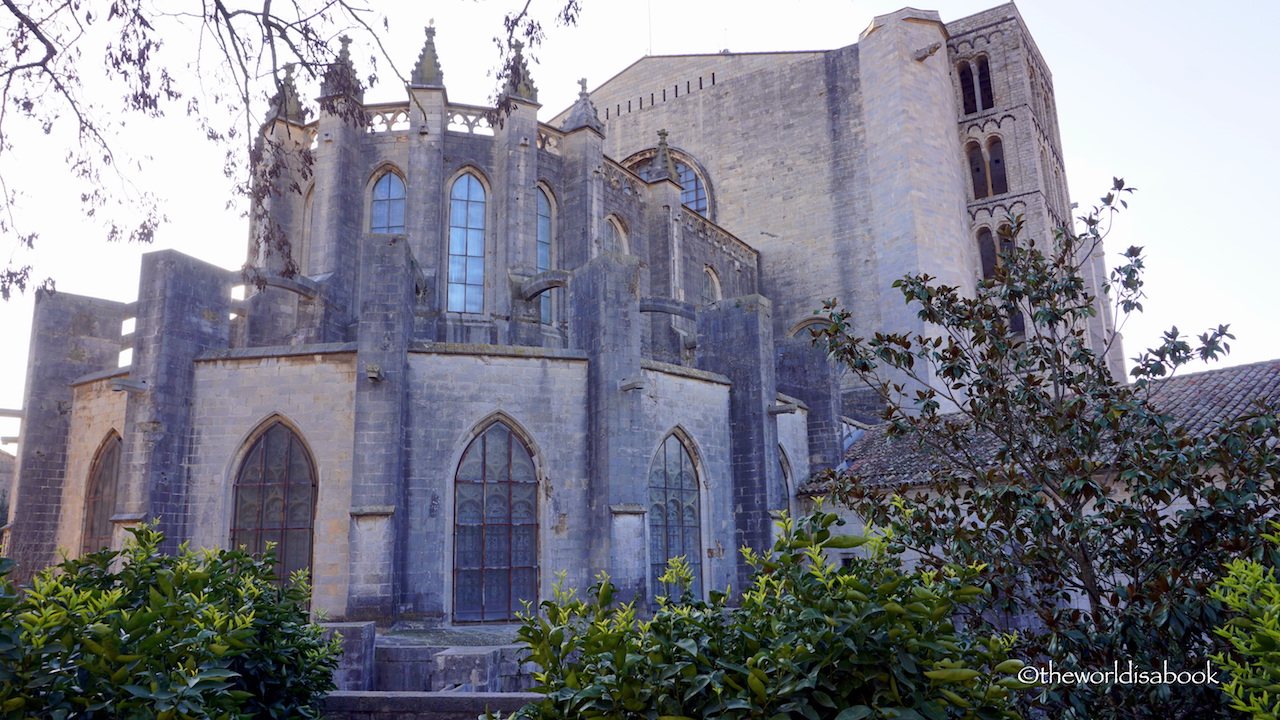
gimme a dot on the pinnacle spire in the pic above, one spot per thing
(519, 82)
(340, 78)
(663, 167)
(583, 114)
(427, 72)
(286, 104)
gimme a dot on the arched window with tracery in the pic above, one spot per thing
(100, 496)
(693, 192)
(466, 245)
(386, 209)
(275, 499)
(675, 518)
(495, 532)
(544, 248)
(614, 240)
(710, 291)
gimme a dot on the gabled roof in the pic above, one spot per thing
(1198, 402)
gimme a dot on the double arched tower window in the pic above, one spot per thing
(275, 499)
(495, 533)
(466, 245)
(987, 169)
(100, 496)
(975, 84)
(675, 517)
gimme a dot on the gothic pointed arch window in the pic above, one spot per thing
(495, 532)
(466, 245)
(710, 291)
(693, 191)
(544, 248)
(100, 496)
(614, 238)
(275, 499)
(386, 209)
(675, 517)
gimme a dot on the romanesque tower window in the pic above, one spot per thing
(986, 98)
(975, 85)
(675, 519)
(544, 248)
(978, 170)
(100, 496)
(466, 245)
(999, 179)
(987, 253)
(275, 499)
(987, 169)
(967, 94)
(495, 532)
(386, 210)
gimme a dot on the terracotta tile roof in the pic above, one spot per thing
(1199, 400)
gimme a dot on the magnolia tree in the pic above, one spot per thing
(1100, 522)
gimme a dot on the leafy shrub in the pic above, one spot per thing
(134, 633)
(1251, 590)
(808, 640)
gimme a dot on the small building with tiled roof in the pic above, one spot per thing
(1198, 402)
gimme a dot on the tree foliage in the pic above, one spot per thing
(203, 634)
(55, 51)
(1102, 522)
(806, 640)
(1250, 591)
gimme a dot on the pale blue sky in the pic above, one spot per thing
(1179, 98)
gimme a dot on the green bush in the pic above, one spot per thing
(1251, 590)
(134, 633)
(807, 640)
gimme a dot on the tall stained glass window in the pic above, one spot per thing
(386, 211)
(544, 248)
(674, 516)
(275, 499)
(466, 245)
(495, 533)
(100, 497)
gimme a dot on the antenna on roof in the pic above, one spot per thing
(650, 6)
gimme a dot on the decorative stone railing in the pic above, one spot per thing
(469, 119)
(383, 118)
(549, 140)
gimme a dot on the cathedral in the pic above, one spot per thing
(503, 350)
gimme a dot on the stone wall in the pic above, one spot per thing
(98, 412)
(235, 395)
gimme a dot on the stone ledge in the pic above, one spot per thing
(526, 351)
(682, 371)
(278, 351)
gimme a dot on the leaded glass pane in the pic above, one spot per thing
(496, 527)
(466, 245)
(386, 208)
(100, 497)
(275, 495)
(674, 519)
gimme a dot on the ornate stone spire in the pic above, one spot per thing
(583, 114)
(663, 167)
(340, 78)
(519, 81)
(427, 72)
(286, 105)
